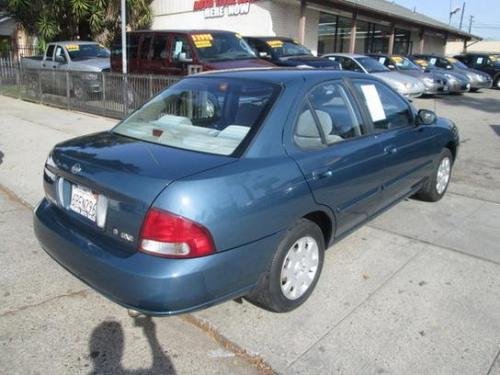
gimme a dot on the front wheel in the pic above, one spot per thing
(496, 82)
(294, 269)
(440, 179)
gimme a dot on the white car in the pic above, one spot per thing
(407, 86)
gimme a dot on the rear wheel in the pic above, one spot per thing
(294, 269)
(475, 89)
(496, 82)
(440, 179)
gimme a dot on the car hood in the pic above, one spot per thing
(392, 77)
(234, 64)
(91, 65)
(312, 61)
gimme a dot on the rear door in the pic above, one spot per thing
(341, 161)
(409, 150)
(160, 60)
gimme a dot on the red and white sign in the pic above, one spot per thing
(221, 8)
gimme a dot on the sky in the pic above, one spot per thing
(486, 21)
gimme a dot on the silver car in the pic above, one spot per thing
(407, 86)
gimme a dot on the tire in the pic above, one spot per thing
(496, 82)
(474, 89)
(80, 91)
(435, 189)
(277, 290)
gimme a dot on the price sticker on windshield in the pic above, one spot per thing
(202, 40)
(275, 43)
(73, 47)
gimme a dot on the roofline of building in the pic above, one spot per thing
(371, 11)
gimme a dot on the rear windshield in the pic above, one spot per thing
(221, 46)
(86, 51)
(205, 114)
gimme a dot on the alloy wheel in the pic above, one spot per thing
(443, 175)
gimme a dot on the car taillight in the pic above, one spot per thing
(168, 235)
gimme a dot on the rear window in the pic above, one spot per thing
(205, 114)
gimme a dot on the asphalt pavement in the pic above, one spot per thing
(417, 291)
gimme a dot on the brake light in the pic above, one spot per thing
(168, 235)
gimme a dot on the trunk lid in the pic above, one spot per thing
(130, 173)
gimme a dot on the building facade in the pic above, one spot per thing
(361, 26)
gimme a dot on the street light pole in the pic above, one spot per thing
(124, 36)
(462, 16)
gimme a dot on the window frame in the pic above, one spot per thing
(373, 130)
(365, 122)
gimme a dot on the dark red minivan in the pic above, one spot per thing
(182, 52)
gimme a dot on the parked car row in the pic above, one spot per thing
(184, 52)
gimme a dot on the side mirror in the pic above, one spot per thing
(426, 117)
(60, 59)
(183, 58)
(264, 55)
(391, 66)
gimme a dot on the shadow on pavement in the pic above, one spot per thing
(1, 157)
(107, 344)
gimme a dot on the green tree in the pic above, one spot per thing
(78, 19)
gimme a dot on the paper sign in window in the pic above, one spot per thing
(479, 60)
(373, 102)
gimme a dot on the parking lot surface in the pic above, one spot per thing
(415, 291)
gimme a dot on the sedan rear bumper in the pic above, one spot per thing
(149, 284)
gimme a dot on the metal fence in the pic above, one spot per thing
(107, 94)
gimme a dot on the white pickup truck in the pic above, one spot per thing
(86, 59)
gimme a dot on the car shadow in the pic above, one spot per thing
(474, 101)
(106, 349)
(496, 129)
(1, 157)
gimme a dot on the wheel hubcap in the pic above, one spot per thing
(443, 175)
(299, 267)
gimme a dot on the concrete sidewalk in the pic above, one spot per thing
(417, 291)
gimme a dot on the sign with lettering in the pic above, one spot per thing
(221, 8)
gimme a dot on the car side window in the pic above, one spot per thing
(160, 47)
(59, 55)
(180, 45)
(350, 64)
(327, 117)
(50, 52)
(386, 108)
(146, 47)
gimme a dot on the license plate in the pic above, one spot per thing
(83, 202)
(445, 88)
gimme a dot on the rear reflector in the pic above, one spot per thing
(168, 235)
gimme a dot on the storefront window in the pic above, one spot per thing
(379, 39)
(327, 33)
(402, 43)
(343, 34)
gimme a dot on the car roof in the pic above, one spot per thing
(269, 37)
(281, 75)
(178, 31)
(73, 42)
(351, 55)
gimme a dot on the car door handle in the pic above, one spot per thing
(391, 149)
(320, 174)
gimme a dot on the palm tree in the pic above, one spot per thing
(78, 19)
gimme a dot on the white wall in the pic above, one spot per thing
(453, 48)
(265, 18)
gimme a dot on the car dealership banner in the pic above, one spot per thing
(221, 8)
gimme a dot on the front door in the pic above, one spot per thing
(342, 163)
(409, 149)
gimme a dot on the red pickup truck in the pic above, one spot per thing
(182, 52)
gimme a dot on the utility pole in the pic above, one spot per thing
(470, 23)
(462, 16)
(124, 36)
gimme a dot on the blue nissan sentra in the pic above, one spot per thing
(234, 183)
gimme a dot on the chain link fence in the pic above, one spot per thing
(107, 94)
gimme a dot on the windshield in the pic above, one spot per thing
(286, 48)
(221, 46)
(457, 63)
(86, 51)
(212, 115)
(404, 63)
(371, 65)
